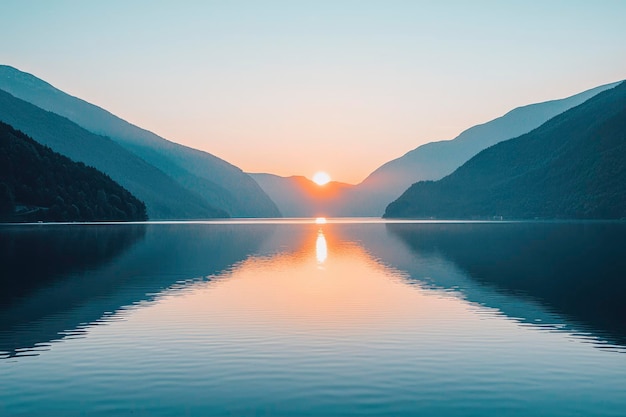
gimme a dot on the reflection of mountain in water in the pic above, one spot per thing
(33, 256)
(64, 278)
(60, 280)
(577, 270)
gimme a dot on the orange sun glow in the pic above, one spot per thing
(321, 178)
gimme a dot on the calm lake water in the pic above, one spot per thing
(304, 319)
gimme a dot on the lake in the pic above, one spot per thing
(313, 318)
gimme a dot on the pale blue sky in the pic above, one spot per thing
(290, 87)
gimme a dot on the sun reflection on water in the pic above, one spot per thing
(321, 248)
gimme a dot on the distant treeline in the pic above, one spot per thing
(37, 183)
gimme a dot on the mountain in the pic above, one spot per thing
(298, 196)
(573, 166)
(435, 160)
(164, 198)
(216, 181)
(49, 186)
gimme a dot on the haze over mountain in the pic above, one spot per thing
(297, 196)
(164, 198)
(435, 160)
(214, 187)
(570, 167)
(49, 186)
(210, 178)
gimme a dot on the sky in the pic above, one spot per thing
(294, 87)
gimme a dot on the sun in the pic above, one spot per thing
(321, 178)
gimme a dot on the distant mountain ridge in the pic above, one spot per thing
(210, 178)
(573, 166)
(297, 196)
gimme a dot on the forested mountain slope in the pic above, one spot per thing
(164, 198)
(214, 180)
(37, 183)
(573, 166)
(435, 160)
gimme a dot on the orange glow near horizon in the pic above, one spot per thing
(309, 288)
(321, 178)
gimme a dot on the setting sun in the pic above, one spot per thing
(321, 178)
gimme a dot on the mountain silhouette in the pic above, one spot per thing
(297, 196)
(431, 161)
(164, 198)
(214, 180)
(435, 160)
(570, 167)
(49, 186)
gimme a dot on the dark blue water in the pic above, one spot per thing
(297, 318)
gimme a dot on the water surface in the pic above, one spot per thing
(298, 318)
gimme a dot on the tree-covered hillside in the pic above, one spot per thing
(571, 167)
(164, 197)
(214, 187)
(37, 183)
(433, 161)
